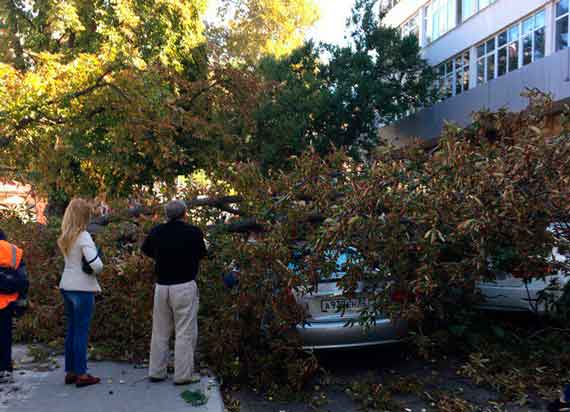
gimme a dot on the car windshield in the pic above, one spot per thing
(336, 263)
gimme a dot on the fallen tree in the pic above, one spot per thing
(430, 221)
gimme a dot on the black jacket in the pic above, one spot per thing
(177, 249)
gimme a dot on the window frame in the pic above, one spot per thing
(484, 59)
(560, 18)
(450, 72)
(478, 7)
(441, 8)
(521, 36)
(404, 27)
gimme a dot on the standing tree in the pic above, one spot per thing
(341, 100)
(254, 29)
(107, 96)
(381, 76)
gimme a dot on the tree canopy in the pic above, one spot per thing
(331, 95)
(133, 32)
(105, 98)
(258, 28)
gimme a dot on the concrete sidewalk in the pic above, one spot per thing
(123, 388)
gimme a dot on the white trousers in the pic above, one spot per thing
(175, 309)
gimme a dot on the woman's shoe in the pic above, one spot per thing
(86, 380)
(70, 378)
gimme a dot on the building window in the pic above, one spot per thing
(453, 75)
(441, 18)
(562, 24)
(471, 7)
(446, 79)
(411, 26)
(533, 37)
(468, 9)
(486, 61)
(517, 46)
(508, 50)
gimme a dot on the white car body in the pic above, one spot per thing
(508, 293)
(329, 328)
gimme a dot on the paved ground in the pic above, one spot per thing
(345, 368)
(39, 388)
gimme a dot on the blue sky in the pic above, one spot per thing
(331, 26)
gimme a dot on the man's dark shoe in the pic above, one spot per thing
(558, 406)
(153, 379)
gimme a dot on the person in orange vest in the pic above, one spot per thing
(13, 293)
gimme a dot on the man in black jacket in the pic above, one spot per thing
(177, 248)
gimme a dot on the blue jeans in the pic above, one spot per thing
(79, 308)
(6, 339)
(566, 393)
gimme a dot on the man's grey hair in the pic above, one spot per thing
(175, 209)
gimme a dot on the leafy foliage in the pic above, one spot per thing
(425, 225)
(109, 99)
(258, 28)
(336, 96)
(541, 358)
(112, 95)
(134, 33)
(103, 98)
(436, 220)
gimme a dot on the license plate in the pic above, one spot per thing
(343, 304)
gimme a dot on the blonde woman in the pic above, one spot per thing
(78, 289)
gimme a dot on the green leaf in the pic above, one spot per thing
(194, 398)
(498, 332)
(457, 330)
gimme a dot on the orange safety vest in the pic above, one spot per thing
(10, 257)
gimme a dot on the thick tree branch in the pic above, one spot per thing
(204, 90)
(222, 203)
(99, 83)
(119, 91)
(243, 225)
(240, 226)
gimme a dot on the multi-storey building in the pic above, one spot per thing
(486, 53)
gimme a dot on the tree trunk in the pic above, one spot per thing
(19, 60)
(57, 203)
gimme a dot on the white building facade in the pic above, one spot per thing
(486, 53)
